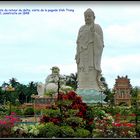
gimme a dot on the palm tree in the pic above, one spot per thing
(5, 84)
(9, 95)
(13, 82)
(109, 94)
(22, 91)
(31, 89)
(103, 80)
(71, 80)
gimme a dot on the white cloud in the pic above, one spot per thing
(127, 34)
(121, 65)
(67, 69)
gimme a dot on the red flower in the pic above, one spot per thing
(90, 123)
(13, 113)
(55, 120)
(80, 114)
(118, 115)
(64, 97)
(129, 124)
(44, 118)
(117, 124)
(132, 114)
(75, 106)
(71, 95)
(78, 100)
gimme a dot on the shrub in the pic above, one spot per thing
(116, 110)
(123, 130)
(97, 133)
(66, 131)
(5, 128)
(29, 111)
(37, 111)
(49, 130)
(74, 121)
(71, 112)
(52, 113)
(25, 130)
(3, 108)
(7, 123)
(46, 119)
(17, 111)
(125, 111)
(82, 133)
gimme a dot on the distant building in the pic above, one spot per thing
(122, 89)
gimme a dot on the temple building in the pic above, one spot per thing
(122, 89)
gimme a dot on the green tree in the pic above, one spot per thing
(13, 82)
(6, 94)
(31, 89)
(22, 91)
(134, 94)
(103, 80)
(2, 95)
(71, 80)
(109, 94)
(4, 84)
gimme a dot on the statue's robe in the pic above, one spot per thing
(88, 57)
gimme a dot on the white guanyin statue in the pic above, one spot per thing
(90, 45)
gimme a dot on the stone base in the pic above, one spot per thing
(91, 96)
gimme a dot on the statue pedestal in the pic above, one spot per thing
(91, 96)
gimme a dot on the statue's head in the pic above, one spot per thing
(89, 16)
(55, 70)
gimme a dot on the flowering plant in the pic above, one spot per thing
(124, 129)
(67, 103)
(24, 130)
(7, 123)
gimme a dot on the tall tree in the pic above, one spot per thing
(103, 80)
(71, 80)
(32, 89)
(13, 82)
(109, 94)
(134, 95)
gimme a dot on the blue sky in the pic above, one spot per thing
(31, 44)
